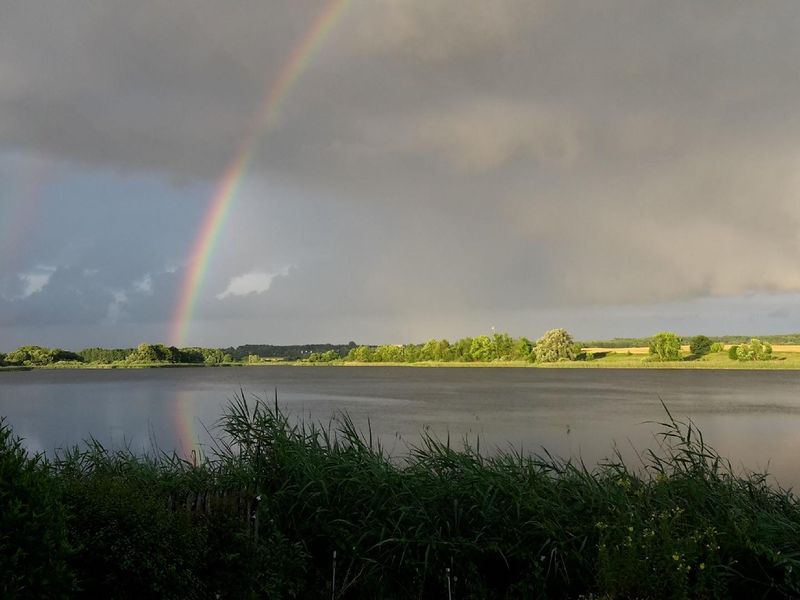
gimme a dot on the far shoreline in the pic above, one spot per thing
(615, 361)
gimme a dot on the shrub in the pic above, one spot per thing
(665, 346)
(33, 533)
(717, 347)
(680, 524)
(131, 544)
(700, 345)
(555, 345)
(733, 351)
(754, 350)
(324, 357)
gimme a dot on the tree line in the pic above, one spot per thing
(40, 356)
(555, 345)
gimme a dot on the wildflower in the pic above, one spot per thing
(702, 566)
(676, 557)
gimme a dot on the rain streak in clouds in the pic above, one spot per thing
(441, 167)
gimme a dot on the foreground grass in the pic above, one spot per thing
(324, 512)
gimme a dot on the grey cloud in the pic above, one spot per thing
(444, 158)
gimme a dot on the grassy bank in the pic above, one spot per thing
(281, 511)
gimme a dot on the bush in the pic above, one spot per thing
(717, 347)
(680, 524)
(665, 346)
(33, 535)
(324, 357)
(754, 350)
(733, 352)
(553, 346)
(700, 345)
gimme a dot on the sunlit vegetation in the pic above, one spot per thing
(554, 348)
(499, 347)
(665, 346)
(790, 339)
(701, 345)
(283, 510)
(753, 350)
(144, 354)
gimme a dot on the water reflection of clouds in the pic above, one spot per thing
(749, 417)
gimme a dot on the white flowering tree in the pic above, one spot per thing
(555, 345)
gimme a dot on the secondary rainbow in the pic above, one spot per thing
(223, 199)
(17, 217)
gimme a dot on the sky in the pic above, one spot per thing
(438, 168)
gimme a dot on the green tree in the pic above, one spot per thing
(154, 353)
(461, 349)
(105, 355)
(553, 346)
(754, 350)
(482, 349)
(665, 346)
(503, 346)
(388, 353)
(213, 356)
(523, 349)
(40, 356)
(324, 357)
(360, 354)
(717, 347)
(700, 345)
(733, 351)
(411, 353)
(429, 350)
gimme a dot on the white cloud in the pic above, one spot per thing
(255, 282)
(36, 280)
(144, 285)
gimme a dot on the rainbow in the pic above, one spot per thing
(220, 205)
(16, 225)
(186, 440)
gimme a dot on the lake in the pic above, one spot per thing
(752, 417)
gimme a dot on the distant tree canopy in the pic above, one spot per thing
(754, 350)
(324, 357)
(665, 346)
(40, 356)
(289, 352)
(555, 345)
(105, 355)
(483, 348)
(159, 353)
(700, 345)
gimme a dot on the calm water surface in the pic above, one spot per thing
(752, 417)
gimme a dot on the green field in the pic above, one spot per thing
(719, 360)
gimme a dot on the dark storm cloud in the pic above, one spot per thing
(438, 159)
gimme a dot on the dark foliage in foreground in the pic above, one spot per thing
(338, 518)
